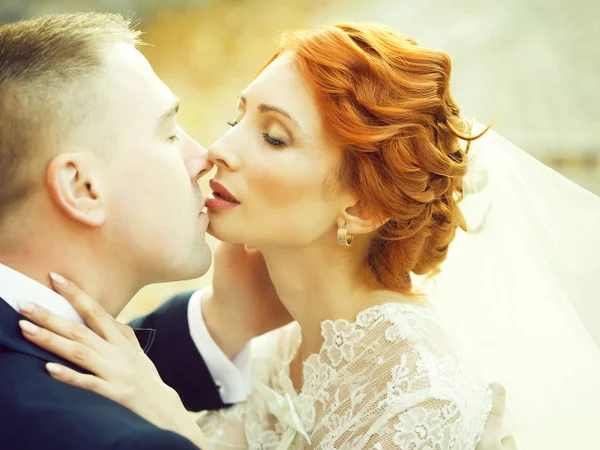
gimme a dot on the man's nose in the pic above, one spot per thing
(198, 167)
(195, 158)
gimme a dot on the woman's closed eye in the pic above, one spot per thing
(174, 138)
(272, 141)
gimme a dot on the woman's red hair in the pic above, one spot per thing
(387, 102)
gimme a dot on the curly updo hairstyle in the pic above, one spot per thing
(386, 102)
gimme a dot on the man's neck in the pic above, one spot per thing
(109, 289)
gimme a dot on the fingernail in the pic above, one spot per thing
(53, 368)
(58, 279)
(26, 307)
(29, 328)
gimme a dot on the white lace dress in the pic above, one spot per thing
(390, 380)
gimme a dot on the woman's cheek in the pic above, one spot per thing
(279, 187)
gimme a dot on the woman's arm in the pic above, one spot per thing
(177, 357)
(231, 314)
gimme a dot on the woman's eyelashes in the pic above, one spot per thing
(274, 142)
(173, 139)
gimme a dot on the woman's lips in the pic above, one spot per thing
(221, 198)
(221, 191)
(217, 203)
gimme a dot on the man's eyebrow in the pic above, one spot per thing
(174, 109)
(270, 108)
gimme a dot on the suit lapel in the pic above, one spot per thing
(12, 339)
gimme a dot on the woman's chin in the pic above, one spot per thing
(225, 234)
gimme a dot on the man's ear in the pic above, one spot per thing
(75, 188)
(358, 219)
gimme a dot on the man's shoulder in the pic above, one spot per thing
(169, 316)
(40, 412)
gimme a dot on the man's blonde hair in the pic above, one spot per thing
(47, 68)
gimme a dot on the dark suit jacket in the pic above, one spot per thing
(40, 413)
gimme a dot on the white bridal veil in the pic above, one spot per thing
(522, 288)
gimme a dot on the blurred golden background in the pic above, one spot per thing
(535, 65)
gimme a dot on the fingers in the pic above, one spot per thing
(75, 352)
(250, 249)
(509, 443)
(62, 326)
(129, 334)
(491, 438)
(86, 381)
(93, 314)
(496, 417)
(232, 254)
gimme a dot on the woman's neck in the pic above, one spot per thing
(317, 283)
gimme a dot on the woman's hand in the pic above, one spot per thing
(236, 312)
(110, 351)
(493, 437)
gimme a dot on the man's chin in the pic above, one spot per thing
(199, 267)
(205, 265)
(195, 268)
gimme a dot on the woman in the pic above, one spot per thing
(344, 167)
(348, 131)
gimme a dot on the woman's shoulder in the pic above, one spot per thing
(393, 369)
(404, 350)
(395, 325)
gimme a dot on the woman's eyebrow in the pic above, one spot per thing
(270, 108)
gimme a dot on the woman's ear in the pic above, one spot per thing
(358, 219)
(75, 188)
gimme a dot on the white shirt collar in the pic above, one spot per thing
(16, 287)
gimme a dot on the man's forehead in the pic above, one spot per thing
(123, 56)
(133, 79)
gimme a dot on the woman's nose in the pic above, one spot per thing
(221, 154)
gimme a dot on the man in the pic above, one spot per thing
(100, 184)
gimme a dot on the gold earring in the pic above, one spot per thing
(343, 237)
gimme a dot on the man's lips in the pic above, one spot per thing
(221, 192)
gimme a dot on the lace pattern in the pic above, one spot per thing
(392, 379)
